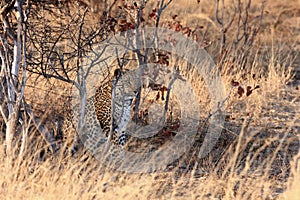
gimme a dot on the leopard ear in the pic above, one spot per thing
(117, 73)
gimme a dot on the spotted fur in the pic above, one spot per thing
(106, 113)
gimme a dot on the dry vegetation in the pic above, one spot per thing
(256, 157)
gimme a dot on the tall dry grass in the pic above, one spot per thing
(262, 162)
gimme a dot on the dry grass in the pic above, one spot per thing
(257, 156)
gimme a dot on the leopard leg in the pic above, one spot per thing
(123, 138)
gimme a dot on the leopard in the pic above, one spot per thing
(107, 114)
(113, 110)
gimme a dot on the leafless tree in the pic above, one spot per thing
(238, 30)
(13, 76)
(13, 62)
